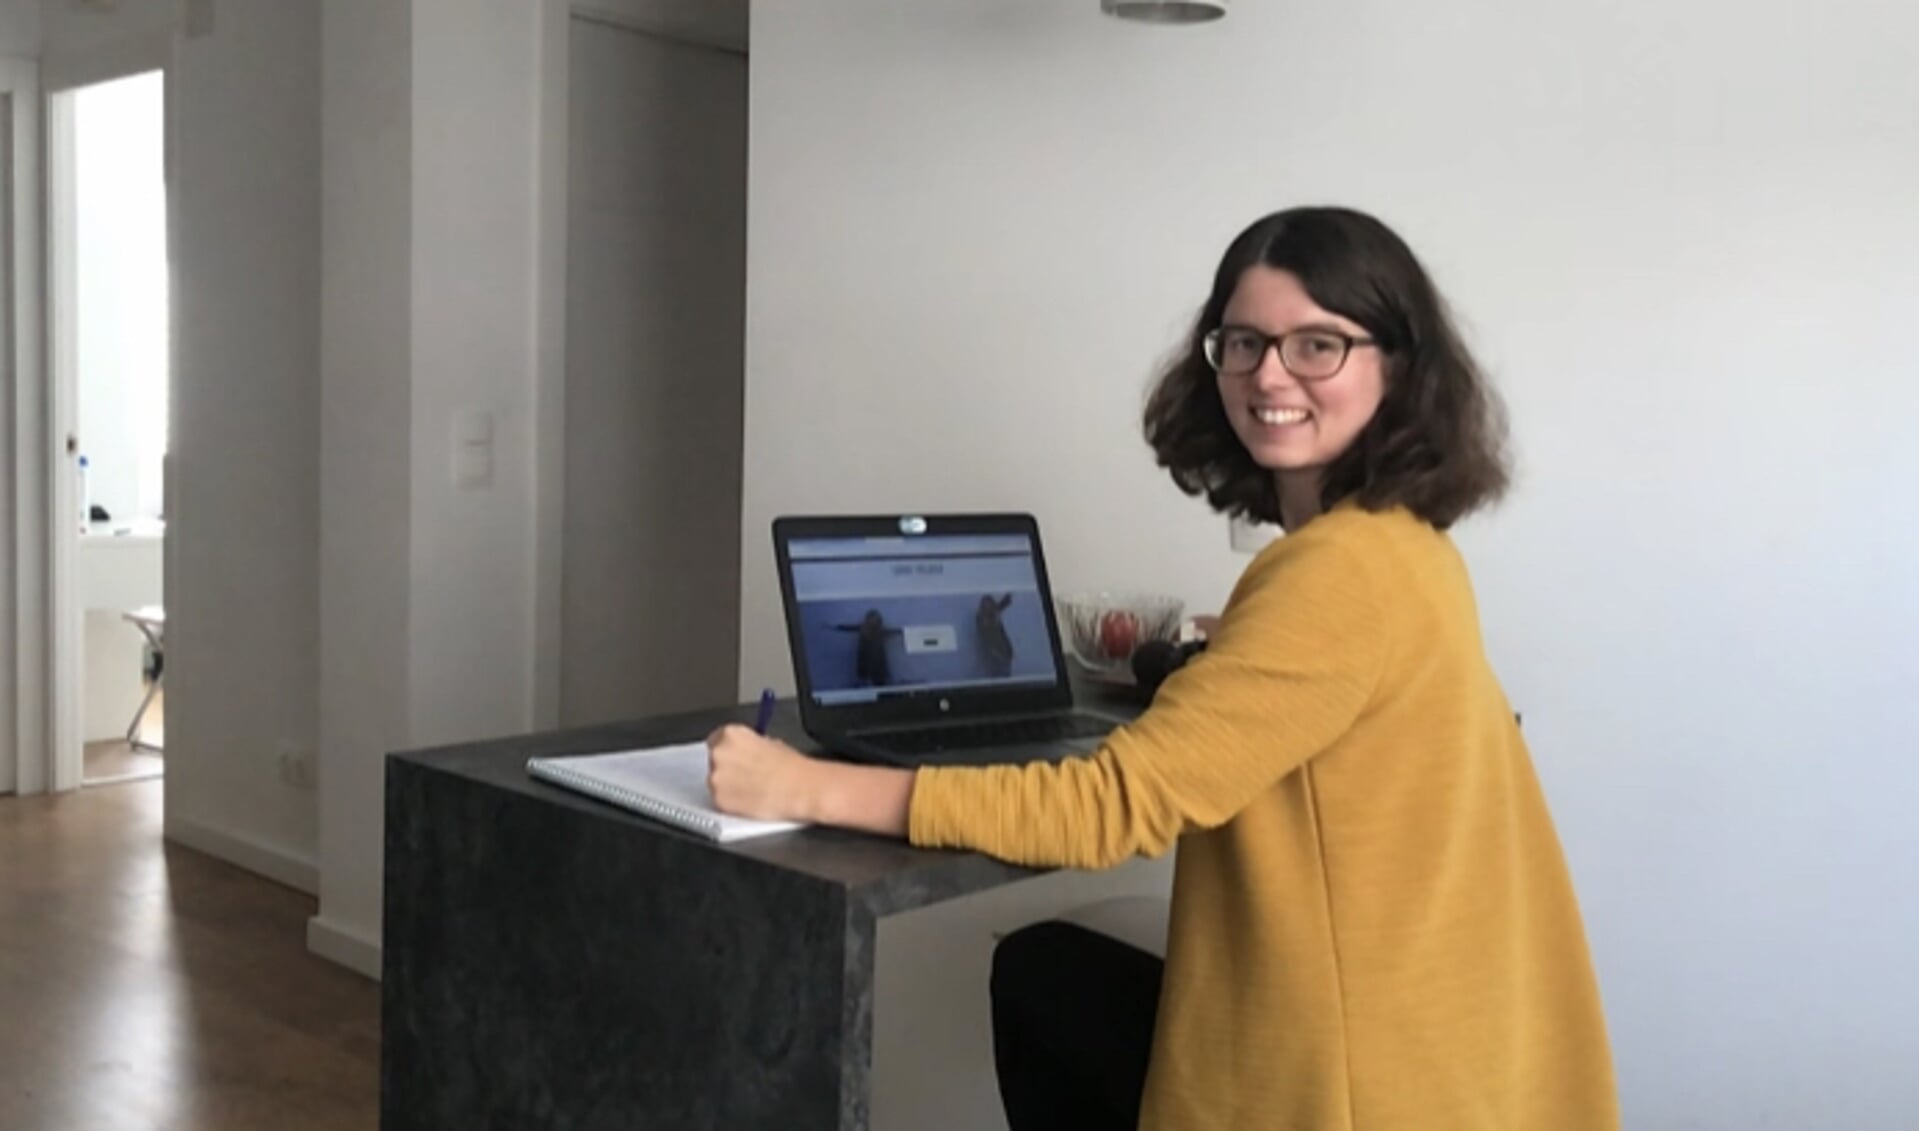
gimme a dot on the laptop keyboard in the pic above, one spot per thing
(981, 735)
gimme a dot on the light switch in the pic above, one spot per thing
(472, 449)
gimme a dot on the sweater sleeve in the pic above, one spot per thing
(1296, 658)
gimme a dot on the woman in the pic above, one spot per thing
(1373, 926)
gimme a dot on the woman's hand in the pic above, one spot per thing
(1206, 626)
(754, 776)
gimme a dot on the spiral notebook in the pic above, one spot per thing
(667, 783)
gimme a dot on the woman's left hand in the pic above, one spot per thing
(751, 775)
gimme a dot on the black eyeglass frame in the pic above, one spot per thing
(1210, 346)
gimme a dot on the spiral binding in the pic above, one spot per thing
(672, 814)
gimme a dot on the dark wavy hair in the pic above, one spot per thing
(1437, 443)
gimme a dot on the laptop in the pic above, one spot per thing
(928, 639)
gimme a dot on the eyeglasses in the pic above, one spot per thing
(1310, 354)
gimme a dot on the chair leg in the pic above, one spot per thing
(140, 717)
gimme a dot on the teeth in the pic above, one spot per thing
(1280, 415)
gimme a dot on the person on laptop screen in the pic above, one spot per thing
(872, 667)
(1373, 926)
(996, 647)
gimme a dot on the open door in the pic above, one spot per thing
(99, 516)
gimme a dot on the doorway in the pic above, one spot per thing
(110, 317)
(655, 374)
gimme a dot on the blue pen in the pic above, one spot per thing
(766, 711)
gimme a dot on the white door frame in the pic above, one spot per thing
(65, 614)
(23, 765)
(60, 533)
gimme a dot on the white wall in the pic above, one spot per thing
(365, 434)
(242, 578)
(427, 587)
(81, 44)
(20, 28)
(475, 94)
(421, 265)
(436, 305)
(1682, 238)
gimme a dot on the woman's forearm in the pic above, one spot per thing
(872, 799)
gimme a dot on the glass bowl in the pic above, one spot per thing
(1103, 630)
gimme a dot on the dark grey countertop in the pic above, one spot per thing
(882, 875)
(553, 961)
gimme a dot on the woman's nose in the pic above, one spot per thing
(1271, 373)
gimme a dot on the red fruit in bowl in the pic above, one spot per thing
(1118, 634)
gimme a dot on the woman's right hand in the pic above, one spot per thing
(754, 776)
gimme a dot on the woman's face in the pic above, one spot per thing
(1293, 426)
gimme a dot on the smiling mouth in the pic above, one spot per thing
(1281, 415)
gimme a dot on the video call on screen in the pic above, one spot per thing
(938, 612)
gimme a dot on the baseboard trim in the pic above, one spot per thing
(276, 864)
(344, 945)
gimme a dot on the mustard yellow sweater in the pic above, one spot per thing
(1373, 928)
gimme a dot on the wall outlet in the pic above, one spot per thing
(296, 766)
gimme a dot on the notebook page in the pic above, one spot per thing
(672, 774)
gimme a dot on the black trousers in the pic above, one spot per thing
(1073, 1014)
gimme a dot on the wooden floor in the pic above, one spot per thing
(116, 763)
(149, 988)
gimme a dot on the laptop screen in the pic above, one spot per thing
(883, 617)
